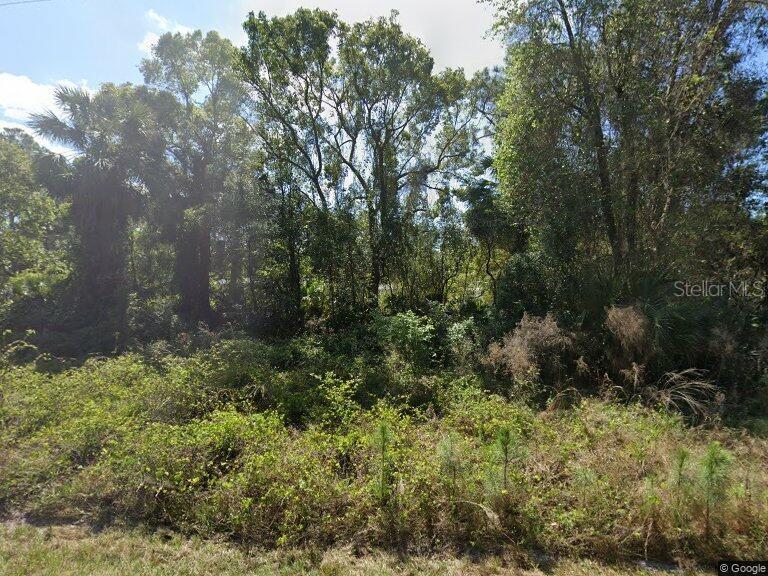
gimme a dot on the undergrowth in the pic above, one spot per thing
(218, 443)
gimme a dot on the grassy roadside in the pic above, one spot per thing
(30, 551)
(209, 445)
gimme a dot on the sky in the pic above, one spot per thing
(88, 42)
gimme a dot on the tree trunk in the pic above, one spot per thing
(595, 126)
(100, 210)
(375, 248)
(294, 284)
(193, 269)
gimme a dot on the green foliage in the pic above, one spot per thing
(177, 443)
(325, 189)
(714, 480)
(615, 201)
(32, 243)
(462, 342)
(331, 127)
(334, 405)
(680, 483)
(198, 141)
(407, 334)
(503, 453)
(325, 180)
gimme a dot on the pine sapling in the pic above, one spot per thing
(680, 482)
(504, 446)
(715, 467)
(381, 440)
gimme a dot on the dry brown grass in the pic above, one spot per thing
(533, 347)
(629, 326)
(687, 392)
(75, 551)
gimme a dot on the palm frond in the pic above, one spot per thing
(75, 100)
(51, 126)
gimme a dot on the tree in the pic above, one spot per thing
(111, 130)
(203, 135)
(287, 64)
(51, 171)
(32, 242)
(399, 128)
(624, 121)
(361, 119)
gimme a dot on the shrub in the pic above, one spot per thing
(532, 352)
(333, 404)
(461, 339)
(123, 440)
(407, 334)
(629, 326)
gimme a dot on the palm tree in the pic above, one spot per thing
(105, 130)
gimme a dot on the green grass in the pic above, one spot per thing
(73, 551)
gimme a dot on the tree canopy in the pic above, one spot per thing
(326, 175)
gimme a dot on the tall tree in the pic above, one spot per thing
(110, 131)
(623, 118)
(360, 116)
(288, 63)
(202, 129)
(398, 127)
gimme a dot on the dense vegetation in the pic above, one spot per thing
(312, 292)
(246, 440)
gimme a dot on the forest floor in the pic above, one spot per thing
(27, 550)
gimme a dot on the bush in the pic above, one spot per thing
(629, 326)
(408, 335)
(179, 444)
(532, 353)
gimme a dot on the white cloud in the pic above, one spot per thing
(454, 30)
(164, 24)
(160, 24)
(148, 42)
(21, 96)
(159, 21)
